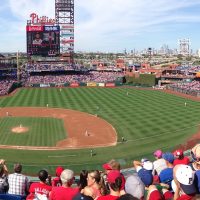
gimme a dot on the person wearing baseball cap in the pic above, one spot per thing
(183, 183)
(114, 180)
(159, 164)
(166, 175)
(195, 156)
(135, 186)
(195, 165)
(180, 158)
(66, 190)
(56, 182)
(113, 165)
(144, 171)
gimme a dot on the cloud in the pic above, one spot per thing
(126, 19)
(110, 24)
(23, 8)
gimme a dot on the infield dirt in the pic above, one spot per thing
(83, 130)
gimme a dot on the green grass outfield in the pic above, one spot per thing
(147, 119)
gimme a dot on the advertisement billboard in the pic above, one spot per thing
(43, 40)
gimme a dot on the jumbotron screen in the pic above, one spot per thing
(43, 40)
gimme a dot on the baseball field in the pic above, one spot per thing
(61, 126)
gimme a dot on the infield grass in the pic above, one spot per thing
(42, 131)
(146, 119)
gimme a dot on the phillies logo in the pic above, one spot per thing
(35, 19)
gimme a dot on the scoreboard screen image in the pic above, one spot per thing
(43, 40)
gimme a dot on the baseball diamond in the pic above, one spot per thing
(101, 133)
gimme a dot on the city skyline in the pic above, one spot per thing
(109, 26)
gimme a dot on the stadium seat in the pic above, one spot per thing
(11, 197)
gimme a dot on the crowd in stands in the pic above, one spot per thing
(92, 76)
(7, 65)
(5, 85)
(194, 69)
(191, 86)
(27, 79)
(32, 74)
(61, 66)
(182, 72)
(170, 176)
(49, 67)
(188, 69)
(177, 75)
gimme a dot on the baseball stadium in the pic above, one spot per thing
(56, 112)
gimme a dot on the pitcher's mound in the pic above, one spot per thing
(20, 129)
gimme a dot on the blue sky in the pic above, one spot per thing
(109, 25)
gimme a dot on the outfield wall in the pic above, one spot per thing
(89, 84)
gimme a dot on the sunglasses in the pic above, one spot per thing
(194, 158)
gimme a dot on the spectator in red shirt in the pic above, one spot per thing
(56, 182)
(114, 180)
(40, 189)
(113, 165)
(180, 158)
(65, 192)
(155, 194)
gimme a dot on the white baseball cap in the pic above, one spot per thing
(148, 165)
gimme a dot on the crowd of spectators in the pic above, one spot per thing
(5, 85)
(48, 67)
(182, 72)
(7, 65)
(178, 75)
(171, 175)
(84, 77)
(27, 76)
(46, 73)
(188, 86)
(92, 76)
(188, 69)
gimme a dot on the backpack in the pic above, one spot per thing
(4, 184)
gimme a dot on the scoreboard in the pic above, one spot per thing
(43, 40)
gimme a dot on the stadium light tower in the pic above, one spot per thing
(64, 16)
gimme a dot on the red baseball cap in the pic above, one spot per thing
(113, 175)
(106, 166)
(59, 171)
(178, 152)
